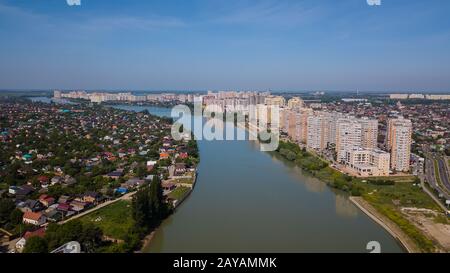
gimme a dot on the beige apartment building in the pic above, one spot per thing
(296, 103)
(369, 133)
(348, 136)
(398, 140)
(368, 162)
(317, 131)
(275, 100)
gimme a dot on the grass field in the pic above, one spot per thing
(115, 220)
(436, 172)
(396, 179)
(179, 193)
(184, 180)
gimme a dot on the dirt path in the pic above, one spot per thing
(102, 205)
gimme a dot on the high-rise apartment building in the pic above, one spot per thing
(296, 103)
(398, 140)
(369, 133)
(348, 136)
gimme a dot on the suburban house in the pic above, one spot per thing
(46, 200)
(20, 245)
(63, 199)
(114, 175)
(34, 218)
(133, 183)
(180, 168)
(163, 156)
(30, 205)
(168, 186)
(91, 197)
(78, 206)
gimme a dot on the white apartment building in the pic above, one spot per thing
(348, 136)
(317, 132)
(368, 162)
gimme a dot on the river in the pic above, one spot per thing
(246, 200)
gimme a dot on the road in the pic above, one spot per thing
(443, 172)
(431, 179)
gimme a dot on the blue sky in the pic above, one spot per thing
(225, 44)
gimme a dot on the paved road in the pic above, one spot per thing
(431, 179)
(443, 173)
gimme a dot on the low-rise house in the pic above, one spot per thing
(151, 165)
(168, 186)
(63, 207)
(114, 175)
(13, 189)
(78, 206)
(180, 168)
(121, 190)
(133, 183)
(63, 199)
(34, 218)
(91, 197)
(20, 192)
(69, 180)
(30, 206)
(163, 156)
(183, 155)
(46, 200)
(20, 245)
(54, 216)
(56, 180)
(44, 181)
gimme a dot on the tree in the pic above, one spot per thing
(36, 245)
(157, 199)
(91, 237)
(16, 217)
(148, 206)
(141, 207)
(6, 208)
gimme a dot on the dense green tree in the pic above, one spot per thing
(157, 200)
(36, 245)
(7, 206)
(148, 206)
(15, 217)
(91, 237)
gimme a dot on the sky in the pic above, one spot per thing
(289, 45)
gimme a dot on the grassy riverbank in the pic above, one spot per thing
(386, 195)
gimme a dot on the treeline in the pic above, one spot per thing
(88, 235)
(319, 168)
(148, 209)
(305, 160)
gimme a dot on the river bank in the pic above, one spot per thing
(388, 225)
(147, 240)
(385, 198)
